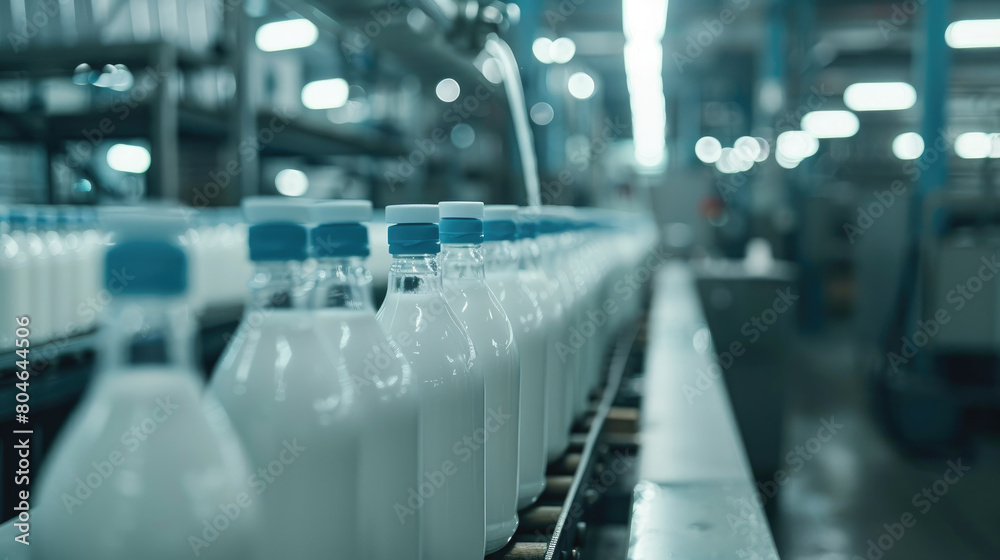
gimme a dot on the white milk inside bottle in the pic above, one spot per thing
(546, 290)
(415, 315)
(341, 299)
(140, 471)
(62, 267)
(24, 222)
(521, 303)
(464, 275)
(14, 280)
(293, 406)
(565, 350)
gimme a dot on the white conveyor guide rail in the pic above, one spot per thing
(696, 498)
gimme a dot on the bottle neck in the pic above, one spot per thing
(463, 262)
(341, 283)
(147, 332)
(501, 257)
(277, 285)
(414, 274)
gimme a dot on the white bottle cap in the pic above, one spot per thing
(341, 211)
(266, 209)
(461, 210)
(411, 214)
(500, 212)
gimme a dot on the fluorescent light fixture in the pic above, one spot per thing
(581, 85)
(973, 34)
(974, 145)
(888, 96)
(644, 20)
(542, 47)
(128, 158)
(291, 182)
(542, 113)
(831, 124)
(562, 50)
(908, 145)
(796, 145)
(995, 146)
(448, 90)
(285, 35)
(325, 94)
(708, 149)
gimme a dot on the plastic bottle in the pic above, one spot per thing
(293, 406)
(25, 232)
(549, 297)
(62, 269)
(520, 301)
(565, 349)
(465, 288)
(140, 471)
(341, 299)
(452, 513)
(14, 278)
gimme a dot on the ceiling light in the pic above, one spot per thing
(128, 158)
(888, 96)
(291, 182)
(285, 35)
(973, 145)
(448, 90)
(831, 124)
(542, 113)
(973, 34)
(796, 145)
(326, 94)
(542, 47)
(908, 145)
(562, 50)
(581, 85)
(708, 150)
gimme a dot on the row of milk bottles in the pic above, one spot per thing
(51, 271)
(330, 430)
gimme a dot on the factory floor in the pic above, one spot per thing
(856, 496)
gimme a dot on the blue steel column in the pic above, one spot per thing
(932, 65)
